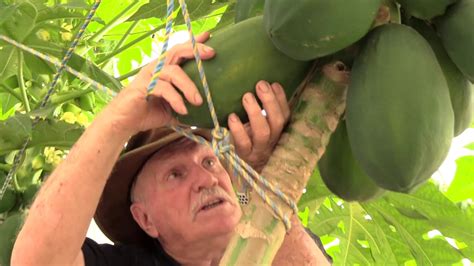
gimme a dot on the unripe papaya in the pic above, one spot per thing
(455, 30)
(425, 9)
(308, 29)
(460, 90)
(341, 172)
(399, 116)
(244, 56)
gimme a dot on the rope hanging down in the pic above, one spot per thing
(62, 67)
(220, 136)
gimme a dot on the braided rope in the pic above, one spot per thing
(220, 143)
(62, 67)
(161, 59)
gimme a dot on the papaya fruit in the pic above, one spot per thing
(425, 9)
(244, 56)
(309, 29)
(341, 172)
(460, 90)
(8, 231)
(399, 116)
(457, 36)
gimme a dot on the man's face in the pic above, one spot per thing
(188, 195)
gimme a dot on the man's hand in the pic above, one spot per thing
(130, 110)
(254, 141)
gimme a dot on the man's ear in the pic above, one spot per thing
(143, 220)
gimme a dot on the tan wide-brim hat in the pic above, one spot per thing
(113, 214)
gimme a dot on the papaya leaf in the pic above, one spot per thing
(22, 22)
(353, 252)
(9, 57)
(393, 250)
(57, 12)
(6, 12)
(462, 186)
(13, 132)
(227, 18)
(434, 251)
(197, 9)
(55, 133)
(152, 9)
(7, 103)
(245, 9)
(440, 213)
(315, 193)
(157, 9)
(356, 228)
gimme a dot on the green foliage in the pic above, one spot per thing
(462, 186)
(393, 230)
(390, 231)
(245, 9)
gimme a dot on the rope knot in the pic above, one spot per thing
(221, 141)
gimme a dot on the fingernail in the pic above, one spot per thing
(264, 86)
(249, 97)
(184, 110)
(234, 118)
(208, 49)
(277, 87)
(197, 98)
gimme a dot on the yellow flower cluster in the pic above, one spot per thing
(53, 156)
(71, 118)
(67, 34)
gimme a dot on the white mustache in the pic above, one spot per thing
(208, 194)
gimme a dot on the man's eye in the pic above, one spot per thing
(173, 175)
(209, 162)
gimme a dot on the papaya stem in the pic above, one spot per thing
(314, 118)
(21, 83)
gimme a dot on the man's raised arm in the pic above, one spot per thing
(57, 223)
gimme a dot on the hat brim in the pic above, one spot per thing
(113, 214)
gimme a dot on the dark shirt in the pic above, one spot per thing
(105, 254)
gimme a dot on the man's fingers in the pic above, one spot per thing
(272, 107)
(166, 91)
(282, 101)
(243, 144)
(203, 37)
(176, 76)
(258, 123)
(183, 52)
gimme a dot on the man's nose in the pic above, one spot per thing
(203, 178)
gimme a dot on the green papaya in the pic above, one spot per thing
(308, 29)
(244, 55)
(459, 86)
(425, 9)
(399, 116)
(341, 172)
(457, 36)
(8, 231)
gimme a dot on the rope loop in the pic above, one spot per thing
(221, 141)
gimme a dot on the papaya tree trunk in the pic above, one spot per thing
(315, 116)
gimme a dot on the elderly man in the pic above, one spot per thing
(167, 200)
